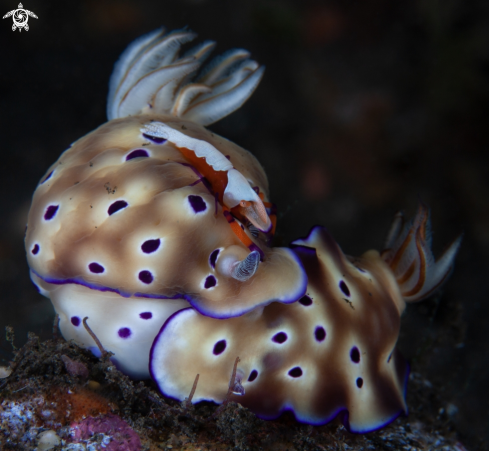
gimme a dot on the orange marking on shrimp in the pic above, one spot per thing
(238, 231)
(217, 179)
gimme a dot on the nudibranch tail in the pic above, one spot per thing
(408, 253)
(331, 353)
(151, 77)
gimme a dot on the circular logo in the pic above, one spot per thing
(20, 18)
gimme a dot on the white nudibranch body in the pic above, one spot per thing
(157, 232)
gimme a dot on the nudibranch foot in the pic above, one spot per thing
(125, 326)
(408, 253)
(151, 77)
(317, 357)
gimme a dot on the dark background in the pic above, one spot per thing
(365, 107)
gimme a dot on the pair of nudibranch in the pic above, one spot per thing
(159, 232)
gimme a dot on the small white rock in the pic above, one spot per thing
(47, 440)
(5, 371)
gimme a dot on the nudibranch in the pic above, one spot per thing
(330, 354)
(157, 233)
(151, 212)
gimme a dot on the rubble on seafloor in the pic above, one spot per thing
(55, 395)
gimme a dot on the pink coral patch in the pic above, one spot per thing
(122, 436)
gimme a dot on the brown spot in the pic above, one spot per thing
(109, 189)
(349, 303)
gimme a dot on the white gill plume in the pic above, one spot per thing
(151, 76)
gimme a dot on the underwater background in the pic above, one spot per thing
(365, 107)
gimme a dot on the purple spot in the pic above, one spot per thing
(228, 157)
(210, 282)
(116, 206)
(197, 203)
(146, 315)
(295, 372)
(219, 347)
(75, 321)
(320, 333)
(137, 154)
(150, 246)
(145, 276)
(359, 382)
(253, 376)
(344, 288)
(305, 300)
(35, 249)
(281, 337)
(50, 212)
(213, 258)
(47, 177)
(360, 269)
(390, 357)
(355, 355)
(96, 268)
(154, 139)
(124, 332)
